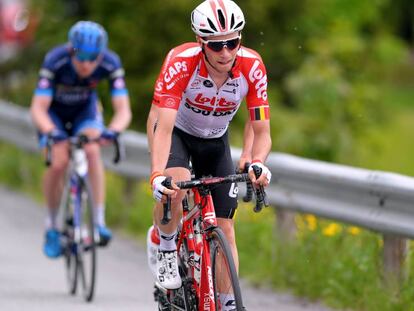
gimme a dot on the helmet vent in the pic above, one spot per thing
(239, 25)
(221, 19)
(232, 21)
(206, 31)
(211, 24)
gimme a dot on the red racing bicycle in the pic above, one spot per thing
(206, 263)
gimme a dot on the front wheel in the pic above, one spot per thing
(87, 245)
(69, 245)
(225, 279)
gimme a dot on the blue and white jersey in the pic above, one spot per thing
(69, 92)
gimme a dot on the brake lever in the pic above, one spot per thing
(119, 152)
(261, 197)
(249, 186)
(166, 217)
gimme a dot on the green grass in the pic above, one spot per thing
(334, 263)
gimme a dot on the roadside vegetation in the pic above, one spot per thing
(341, 76)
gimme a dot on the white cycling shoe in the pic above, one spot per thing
(153, 242)
(167, 269)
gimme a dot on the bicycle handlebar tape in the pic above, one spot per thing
(166, 217)
(249, 186)
(261, 198)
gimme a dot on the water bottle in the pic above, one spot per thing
(81, 163)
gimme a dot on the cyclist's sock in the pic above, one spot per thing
(227, 302)
(99, 214)
(51, 218)
(167, 241)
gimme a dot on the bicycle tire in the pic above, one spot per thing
(87, 246)
(225, 278)
(69, 246)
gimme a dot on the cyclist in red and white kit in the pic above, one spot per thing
(199, 90)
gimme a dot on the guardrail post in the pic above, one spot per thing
(129, 189)
(285, 224)
(394, 256)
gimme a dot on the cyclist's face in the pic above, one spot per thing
(221, 59)
(84, 68)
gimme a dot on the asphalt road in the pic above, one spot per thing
(30, 281)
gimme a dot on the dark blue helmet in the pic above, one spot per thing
(88, 38)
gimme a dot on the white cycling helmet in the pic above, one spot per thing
(217, 18)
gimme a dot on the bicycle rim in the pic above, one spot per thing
(225, 278)
(69, 247)
(87, 245)
(71, 265)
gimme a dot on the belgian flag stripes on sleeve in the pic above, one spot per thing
(259, 113)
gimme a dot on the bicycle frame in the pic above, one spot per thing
(203, 211)
(77, 173)
(199, 228)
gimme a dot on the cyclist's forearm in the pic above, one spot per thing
(151, 121)
(39, 114)
(122, 113)
(160, 152)
(162, 139)
(262, 142)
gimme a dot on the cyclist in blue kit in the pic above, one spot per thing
(65, 103)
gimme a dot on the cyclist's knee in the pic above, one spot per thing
(60, 162)
(59, 167)
(178, 199)
(227, 226)
(93, 152)
(178, 173)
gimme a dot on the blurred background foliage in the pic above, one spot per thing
(329, 63)
(341, 79)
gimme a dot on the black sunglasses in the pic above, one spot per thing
(83, 56)
(218, 45)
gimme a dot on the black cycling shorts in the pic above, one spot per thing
(208, 157)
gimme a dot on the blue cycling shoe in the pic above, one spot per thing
(52, 247)
(105, 235)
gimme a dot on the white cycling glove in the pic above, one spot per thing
(158, 188)
(265, 171)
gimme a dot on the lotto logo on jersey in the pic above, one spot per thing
(259, 79)
(172, 71)
(210, 103)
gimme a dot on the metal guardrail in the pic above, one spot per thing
(377, 200)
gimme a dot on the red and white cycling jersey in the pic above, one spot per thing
(203, 109)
